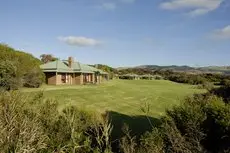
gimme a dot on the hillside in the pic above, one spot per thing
(18, 68)
(184, 68)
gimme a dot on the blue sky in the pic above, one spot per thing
(121, 32)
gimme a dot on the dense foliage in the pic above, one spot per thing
(32, 124)
(18, 68)
(223, 92)
(181, 77)
(8, 75)
(201, 124)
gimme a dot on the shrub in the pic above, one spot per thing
(19, 131)
(225, 82)
(33, 79)
(201, 124)
(17, 68)
(223, 92)
(158, 77)
(217, 127)
(186, 78)
(32, 124)
(8, 76)
(206, 85)
(127, 142)
(152, 142)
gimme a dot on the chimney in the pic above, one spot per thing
(71, 61)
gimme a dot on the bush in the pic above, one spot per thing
(8, 76)
(158, 77)
(206, 85)
(18, 68)
(33, 79)
(201, 124)
(152, 142)
(223, 92)
(225, 82)
(20, 129)
(217, 127)
(32, 124)
(187, 78)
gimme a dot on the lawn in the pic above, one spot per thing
(121, 96)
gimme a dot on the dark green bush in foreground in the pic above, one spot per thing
(201, 124)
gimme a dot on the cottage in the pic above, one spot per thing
(71, 72)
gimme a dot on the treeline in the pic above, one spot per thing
(181, 77)
(196, 79)
(18, 69)
(34, 124)
(138, 71)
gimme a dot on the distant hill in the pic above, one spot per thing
(184, 68)
(149, 68)
(216, 69)
(171, 67)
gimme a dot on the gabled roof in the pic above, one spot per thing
(62, 66)
(55, 66)
(85, 68)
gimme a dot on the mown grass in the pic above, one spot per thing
(122, 96)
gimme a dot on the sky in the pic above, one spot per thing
(120, 32)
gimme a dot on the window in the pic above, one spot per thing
(63, 78)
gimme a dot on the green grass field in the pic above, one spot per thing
(122, 96)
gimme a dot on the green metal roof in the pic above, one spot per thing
(76, 65)
(62, 66)
(57, 66)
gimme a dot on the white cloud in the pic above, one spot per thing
(109, 6)
(79, 41)
(223, 33)
(195, 7)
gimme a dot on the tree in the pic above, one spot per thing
(45, 58)
(33, 79)
(17, 67)
(8, 76)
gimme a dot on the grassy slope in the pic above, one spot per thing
(123, 96)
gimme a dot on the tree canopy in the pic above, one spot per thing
(18, 63)
(45, 58)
